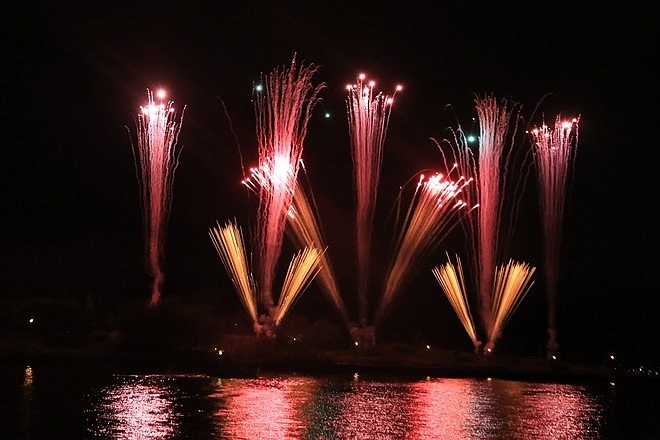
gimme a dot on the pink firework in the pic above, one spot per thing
(368, 118)
(283, 104)
(554, 151)
(492, 162)
(158, 131)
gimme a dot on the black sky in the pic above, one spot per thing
(76, 73)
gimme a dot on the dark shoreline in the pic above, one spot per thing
(250, 361)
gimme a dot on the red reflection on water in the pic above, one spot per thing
(556, 411)
(443, 409)
(265, 408)
(374, 410)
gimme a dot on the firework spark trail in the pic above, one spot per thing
(228, 242)
(307, 233)
(512, 282)
(158, 132)
(494, 120)
(303, 268)
(434, 210)
(282, 110)
(554, 151)
(452, 281)
(368, 118)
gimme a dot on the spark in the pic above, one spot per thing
(158, 132)
(229, 243)
(368, 118)
(512, 282)
(433, 212)
(452, 281)
(554, 151)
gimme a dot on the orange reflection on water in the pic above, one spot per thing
(265, 408)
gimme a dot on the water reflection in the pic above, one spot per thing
(265, 408)
(443, 409)
(334, 407)
(136, 407)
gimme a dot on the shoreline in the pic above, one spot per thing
(253, 360)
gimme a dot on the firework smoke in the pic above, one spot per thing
(158, 131)
(554, 151)
(368, 118)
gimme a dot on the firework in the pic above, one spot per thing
(303, 268)
(368, 118)
(158, 131)
(494, 120)
(306, 232)
(434, 210)
(554, 151)
(283, 106)
(452, 281)
(512, 282)
(229, 243)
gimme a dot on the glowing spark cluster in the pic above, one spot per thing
(452, 281)
(368, 118)
(158, 131)
(431, 215)
(554, 151)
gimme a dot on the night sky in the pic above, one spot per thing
(76, 73)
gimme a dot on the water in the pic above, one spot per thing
(46, 402)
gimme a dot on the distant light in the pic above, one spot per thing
(611, 357)
(328, 115)
(471, 139)
(31, 320)
(428, 347)
(161, 93)
(258, 87)
(554, 357)
(356, 343)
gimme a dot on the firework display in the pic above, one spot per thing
(471, 192)
(157, 154)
